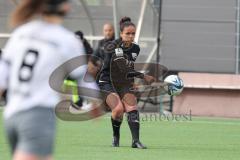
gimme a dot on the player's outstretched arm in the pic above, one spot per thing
(149, 79)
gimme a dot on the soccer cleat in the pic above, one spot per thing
(74, 109)
(138, 144)
(87, 106)
(75, 106)
(115, 141)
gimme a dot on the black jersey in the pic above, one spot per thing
(118, 61)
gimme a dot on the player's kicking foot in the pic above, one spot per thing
(138, 144)
(115, 141)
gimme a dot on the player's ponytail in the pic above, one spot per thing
(125, 22)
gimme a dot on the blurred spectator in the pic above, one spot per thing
(108, 33)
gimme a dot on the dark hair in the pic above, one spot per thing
(125, 22)
(86, 45)
(79, 34)
(27, 9)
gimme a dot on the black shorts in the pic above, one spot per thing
(121, 90)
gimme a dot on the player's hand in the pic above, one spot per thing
(149, 79)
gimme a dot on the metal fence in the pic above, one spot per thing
(196, 35)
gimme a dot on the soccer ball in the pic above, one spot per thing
(174, 85)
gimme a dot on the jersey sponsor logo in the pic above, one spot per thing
(134, 56)
(119, 52)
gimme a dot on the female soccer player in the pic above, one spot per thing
(36, 48)
(117, 77)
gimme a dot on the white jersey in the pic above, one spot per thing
(33, 52)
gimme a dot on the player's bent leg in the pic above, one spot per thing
(19, 155)
(114, 102)
(130, 104)
(49, 158)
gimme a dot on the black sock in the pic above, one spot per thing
(116, 126)
(133, 122)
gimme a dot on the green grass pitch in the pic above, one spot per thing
(199, 139)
